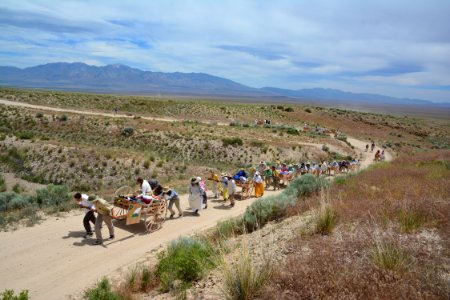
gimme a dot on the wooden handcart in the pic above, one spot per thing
(246, 189)
(153, 215)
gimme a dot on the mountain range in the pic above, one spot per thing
(122, 79)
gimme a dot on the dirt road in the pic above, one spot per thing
(53, 261)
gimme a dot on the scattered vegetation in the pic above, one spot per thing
(403, 204)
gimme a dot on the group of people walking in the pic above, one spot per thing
(225, 185)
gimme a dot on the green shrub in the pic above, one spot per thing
(185, 259)
(39, 115)
(102, 291)
(63, 118)
(289, 109)
(127, 131)
(232, 142)
(10, 201)
(325, 148)
(305, 185)
(274, 207)
(9, 295)
(227, 228)
(308, 110)
(53, 196)
(292, 131)
(17, 188)
(25, 134)
(342, 137)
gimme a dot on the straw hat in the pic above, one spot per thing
(166, 189)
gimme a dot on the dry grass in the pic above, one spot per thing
(243, 279)
(391, 241)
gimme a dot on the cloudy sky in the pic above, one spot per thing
(393, 47)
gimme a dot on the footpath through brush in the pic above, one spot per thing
(53, 261)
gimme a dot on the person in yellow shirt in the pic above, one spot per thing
(275, 178)
(215, 183)
(104, 210)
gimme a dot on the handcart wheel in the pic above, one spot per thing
(123, 191)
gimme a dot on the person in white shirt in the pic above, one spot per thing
(231, 189)
(146, 189)
(144, 194)
(82, 201)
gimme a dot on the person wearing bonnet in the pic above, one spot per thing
(195, 195)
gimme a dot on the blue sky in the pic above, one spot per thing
(394, 47)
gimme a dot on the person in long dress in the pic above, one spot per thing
(195, 195)
(259, 185)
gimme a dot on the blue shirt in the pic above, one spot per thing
(171, 194)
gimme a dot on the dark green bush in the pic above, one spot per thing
(128, 131)
(185, 259)
(25, 134)
(289, 109)
(292, 131)
(308, 110)
(232, 142)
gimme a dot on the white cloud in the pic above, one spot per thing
(324, 43)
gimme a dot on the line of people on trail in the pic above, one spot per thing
(225, 185)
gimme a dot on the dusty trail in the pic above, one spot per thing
(53, 261)
(90, 113)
